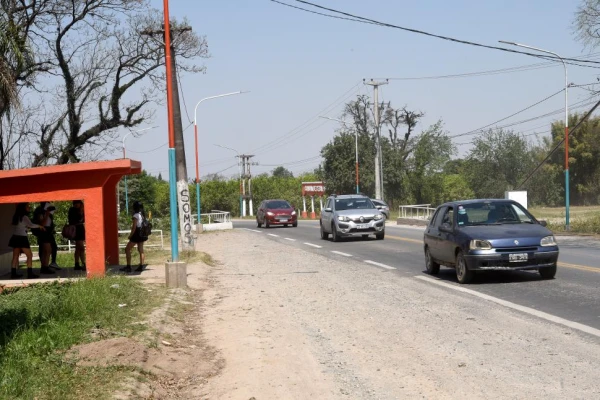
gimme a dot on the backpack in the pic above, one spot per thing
(38, 213)
(146, 228)
(69, 232)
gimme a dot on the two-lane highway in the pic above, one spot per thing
(572, 298)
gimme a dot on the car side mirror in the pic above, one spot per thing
(327, 209)
(378, 207)
(543, 222)
(445, 227)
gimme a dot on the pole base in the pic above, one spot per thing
(199, 228)
(176, 274)
(313, 215)
(304, 214)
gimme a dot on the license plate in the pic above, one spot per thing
(283, 220)
(362, 226)
(519, 257)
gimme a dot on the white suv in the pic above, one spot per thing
(351, 216)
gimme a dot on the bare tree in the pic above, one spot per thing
(99, 72)
(587, 23)
(395, 120)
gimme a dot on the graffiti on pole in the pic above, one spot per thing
(185, 215)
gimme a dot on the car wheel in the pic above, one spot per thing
(548, 272)
(324, 235)
(380, 236)
(295, 224)
(258, 224)
(432, 267)
(334, 235)
(463, 274)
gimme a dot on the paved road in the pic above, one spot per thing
(573, 297)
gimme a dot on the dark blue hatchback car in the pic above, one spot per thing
(483, 235)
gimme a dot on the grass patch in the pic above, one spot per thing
(582, 219)
(156, 256)
(42, 321)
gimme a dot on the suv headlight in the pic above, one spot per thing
(343, 218)
(548, 241)
(480, 245)
(293, 212)
(270, 214)
(378, 217)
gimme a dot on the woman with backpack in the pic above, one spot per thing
(20, 242)
(136, 238)
(76, 217)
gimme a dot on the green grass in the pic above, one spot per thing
(156, 256)
(582, 219)
(42, 321)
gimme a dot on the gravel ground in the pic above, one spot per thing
(291, 324)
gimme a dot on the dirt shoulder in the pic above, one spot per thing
(271, 321)
(291, 324)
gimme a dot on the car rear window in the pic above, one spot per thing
(278, 204)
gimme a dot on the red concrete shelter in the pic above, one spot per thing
(93, 182)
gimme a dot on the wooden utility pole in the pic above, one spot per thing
(183, 193)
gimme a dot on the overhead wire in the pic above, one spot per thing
(585, 117)
(285, 138)
(357, 18)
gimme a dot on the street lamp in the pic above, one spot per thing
(125, 137)
(196, 141)
(567, 226)
(356, 146)
(239, 171)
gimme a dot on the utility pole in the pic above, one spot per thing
(246, 177)
(183, 192)
(378, 154)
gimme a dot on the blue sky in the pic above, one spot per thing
(297, 64)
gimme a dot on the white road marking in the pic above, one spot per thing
(272, 234)
(252, 230)
(314, 245)
(290, 239)
(527, 310)
(341, 254)
(379, 264)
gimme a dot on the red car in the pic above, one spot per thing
(276, 212)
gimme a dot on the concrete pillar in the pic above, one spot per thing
(176, 274)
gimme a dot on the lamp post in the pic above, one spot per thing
(356, 147)
(125, 137)
(196, 142)
(239, 171)
(567, 225)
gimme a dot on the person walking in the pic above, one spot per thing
(20, 242)
(76, 217)
(135, 238)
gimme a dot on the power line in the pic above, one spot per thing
(510, 116)
(357, 18)
(298, 162)
(579, 104)
(284, 139)
(585, 117)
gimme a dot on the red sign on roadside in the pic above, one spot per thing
(313, 189)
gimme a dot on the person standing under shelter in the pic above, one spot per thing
(135, 237)
(76, 217)
(20, 242)
(44, 215)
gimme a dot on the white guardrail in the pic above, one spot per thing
(416, 211)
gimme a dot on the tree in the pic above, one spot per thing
(587, 22)
(282, 172)
(499, 161)
(102, 72)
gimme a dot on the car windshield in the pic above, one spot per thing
(277, 204)
(353, 204)
(492, 213)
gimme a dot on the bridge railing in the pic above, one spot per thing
(213, 217)
(416, 211)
